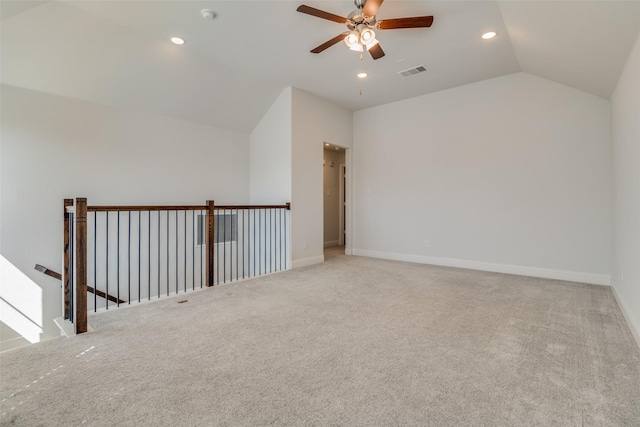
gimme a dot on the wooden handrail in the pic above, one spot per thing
(51, 273)
(286, 206)
(56, 275)
(105, 296)
(144, 208)
(181, 208)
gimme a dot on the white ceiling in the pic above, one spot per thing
(232, 68)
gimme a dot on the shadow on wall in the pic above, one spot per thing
(20, 307)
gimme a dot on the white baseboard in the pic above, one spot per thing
(331, 243)
(571, 276)
(67, 328)
(13, 343)
(633, 324)
(298, 263)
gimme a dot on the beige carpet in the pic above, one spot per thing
(355, 341)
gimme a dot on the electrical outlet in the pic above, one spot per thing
(304, 245)
(426, 244)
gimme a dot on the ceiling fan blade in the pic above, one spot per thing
(328, 44)
(371, 7)
(414, 22)
(376, 51)
(321, 14)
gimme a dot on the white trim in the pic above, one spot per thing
(13, 343)
(348, 220)
(298, 263)
(67, 328)
(634, 327)
(331, 243)
(342, 203)
(571, 276)
(20, 323)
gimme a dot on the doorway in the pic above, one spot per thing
(334, 195)
(342, 205)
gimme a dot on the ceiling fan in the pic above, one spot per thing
(361, 23)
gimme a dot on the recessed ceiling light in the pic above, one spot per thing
(362, 75)
(326, 144)
(177, 40)
(489, 35)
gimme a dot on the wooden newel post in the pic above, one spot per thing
(210, 240)
(81, 266)
(67, 259)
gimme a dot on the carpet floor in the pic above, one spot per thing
(354, 341)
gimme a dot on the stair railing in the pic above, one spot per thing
(131, 254)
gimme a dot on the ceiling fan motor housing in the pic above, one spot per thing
(356, 19)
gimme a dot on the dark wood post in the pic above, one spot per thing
(81, 266)
(210, 240)
(67, 259)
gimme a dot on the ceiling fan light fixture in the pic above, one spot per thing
(352, 39)
(367, 36)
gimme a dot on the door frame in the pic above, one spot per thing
(342, 204)
(346, 194)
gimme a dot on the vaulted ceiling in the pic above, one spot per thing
(233, 67)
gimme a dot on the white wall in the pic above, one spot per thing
(315, 121)
(625, 116)
(511, 174)
(55, 147)
(270, 154)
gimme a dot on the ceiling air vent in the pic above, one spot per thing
(415, 70)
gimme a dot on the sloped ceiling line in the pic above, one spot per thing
(118, 53)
